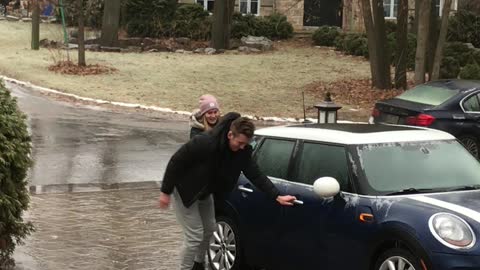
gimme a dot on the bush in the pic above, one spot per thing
(275, 26)
(352, 44)
(15, 160)
(465, 27)
(450, 68)
(150, 18)
(243, 25)
(390, 27)
(326, 35)
(476, 56)
(192, 21)
(339, 42)
(356, 44)
(93, 11)
(470, 72)
(411, 49)
(458, 50)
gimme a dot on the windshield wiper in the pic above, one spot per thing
(468, 187)
(412, 191)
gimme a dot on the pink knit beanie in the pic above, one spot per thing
(206, 103)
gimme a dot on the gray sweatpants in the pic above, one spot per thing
(198, 224)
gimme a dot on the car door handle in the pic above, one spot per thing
(245, 189)
(297, 202)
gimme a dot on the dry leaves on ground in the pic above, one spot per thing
(355, 93)
(70, 68)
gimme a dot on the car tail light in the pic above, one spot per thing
(375, 112)
(423, 120)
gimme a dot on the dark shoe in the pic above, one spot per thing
(198, 266)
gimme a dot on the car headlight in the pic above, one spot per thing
(452, 231)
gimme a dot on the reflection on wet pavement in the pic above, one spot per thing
(120, 229)
(75, 144)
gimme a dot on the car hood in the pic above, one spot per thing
(465, 203)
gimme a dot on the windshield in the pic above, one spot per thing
(427, 94)
(435, 165)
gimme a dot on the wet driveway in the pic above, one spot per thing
(78, 147)
(94, 187)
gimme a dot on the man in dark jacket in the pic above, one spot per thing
(211, 164)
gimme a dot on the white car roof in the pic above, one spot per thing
(355, 133)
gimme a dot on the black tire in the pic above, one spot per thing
(226, 253)
(400, 258)
(471, 144)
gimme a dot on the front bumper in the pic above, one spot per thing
(443, 261)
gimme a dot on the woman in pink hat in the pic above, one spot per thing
(206, 116)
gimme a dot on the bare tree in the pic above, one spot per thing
(441, 40)
(425, 7)
(36, 26)
(81, 33)
(110, 23)
(222, 23)
(369, 28)
(402, 46)
(377, 43)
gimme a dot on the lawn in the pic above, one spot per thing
(268, 84)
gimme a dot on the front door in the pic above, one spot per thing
(322, 12)
(261, 216)
(316, 234)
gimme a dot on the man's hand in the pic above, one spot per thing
(164, 200)
(286, 200)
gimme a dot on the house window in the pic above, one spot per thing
(207, 4)
(250, 7)
(439, 6)
(390, 8)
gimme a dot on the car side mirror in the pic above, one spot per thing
(326, 187)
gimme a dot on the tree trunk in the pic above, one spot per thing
(432, 39)
(422, 41)
(222, 23)
(383, 55)
(81, 34)
(111, 20)
(369, 28)
(402, 46)
(441, 40)
(36, 26)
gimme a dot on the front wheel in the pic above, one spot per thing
(397, 259)
(223, 251)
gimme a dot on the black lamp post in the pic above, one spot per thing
(327, 110)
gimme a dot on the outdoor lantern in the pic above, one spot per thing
(327, 110)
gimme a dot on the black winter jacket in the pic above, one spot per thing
(206, 165)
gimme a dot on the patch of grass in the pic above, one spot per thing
(267, 84)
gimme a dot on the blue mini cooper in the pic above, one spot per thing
(368, 197)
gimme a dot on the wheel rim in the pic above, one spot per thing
(223, 247)
(396, 263)
(470, 145)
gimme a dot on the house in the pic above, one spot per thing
(352, 19)
(305, 14)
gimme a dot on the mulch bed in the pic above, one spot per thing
(70, 68)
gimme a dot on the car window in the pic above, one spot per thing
(273, 157)
(472, 104)
(427, 94)
(419, 165)
(319, 160)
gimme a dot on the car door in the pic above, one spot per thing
(313, 235)
(260, 216)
